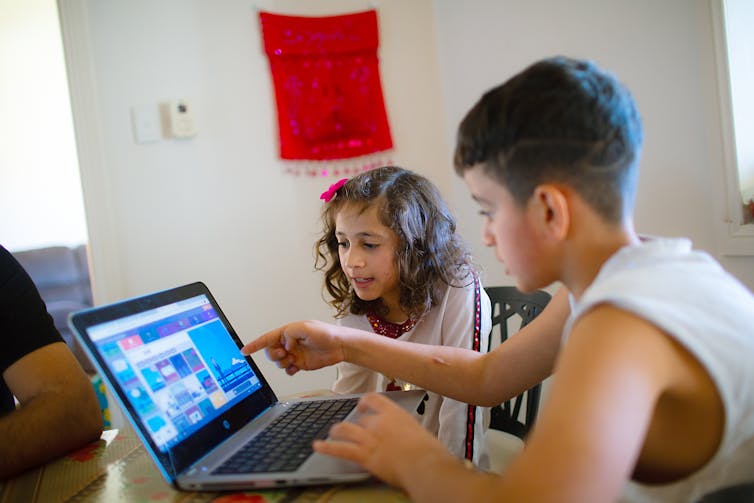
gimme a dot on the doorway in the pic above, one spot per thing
(40, 195)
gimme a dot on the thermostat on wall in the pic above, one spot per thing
(179, 119)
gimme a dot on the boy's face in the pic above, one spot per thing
(510, 229)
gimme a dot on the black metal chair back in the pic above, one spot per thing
(508, 303)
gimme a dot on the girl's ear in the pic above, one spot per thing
(551, 211)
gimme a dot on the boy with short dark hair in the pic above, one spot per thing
(652, 396)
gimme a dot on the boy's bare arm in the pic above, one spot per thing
(591, 431)
(465, 375)
(528, 357)
(586, 442)
(58, 409)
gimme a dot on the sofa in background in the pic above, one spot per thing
(61, 274)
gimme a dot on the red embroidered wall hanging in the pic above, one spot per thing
(327, 85)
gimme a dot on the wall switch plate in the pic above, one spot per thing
(179, 118)
(145, 121)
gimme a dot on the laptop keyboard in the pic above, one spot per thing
(287, 442)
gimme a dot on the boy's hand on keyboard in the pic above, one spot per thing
(386, 440)
(304, 345)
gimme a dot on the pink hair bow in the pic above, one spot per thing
(330, 193)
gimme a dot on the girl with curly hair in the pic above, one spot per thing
(394, 265)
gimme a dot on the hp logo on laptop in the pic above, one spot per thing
(226, 424)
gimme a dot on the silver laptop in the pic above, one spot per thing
(205, 412)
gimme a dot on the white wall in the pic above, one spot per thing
(219, 207)
(40, 192)
(663, 51)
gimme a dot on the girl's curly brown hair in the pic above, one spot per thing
(430, 255)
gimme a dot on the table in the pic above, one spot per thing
(117, 468)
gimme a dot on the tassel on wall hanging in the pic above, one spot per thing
(330, 108)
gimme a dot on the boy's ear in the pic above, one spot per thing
(552, 211)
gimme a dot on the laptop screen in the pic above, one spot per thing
(177, 365)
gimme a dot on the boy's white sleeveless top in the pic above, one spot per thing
(690, 296)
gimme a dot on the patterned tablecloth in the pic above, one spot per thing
(117, 468)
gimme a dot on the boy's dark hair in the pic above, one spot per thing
(429, 252)
(559, 121)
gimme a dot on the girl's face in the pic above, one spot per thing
(367, 251)
(508, 228)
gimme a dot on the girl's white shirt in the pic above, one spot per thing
(450, 323)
